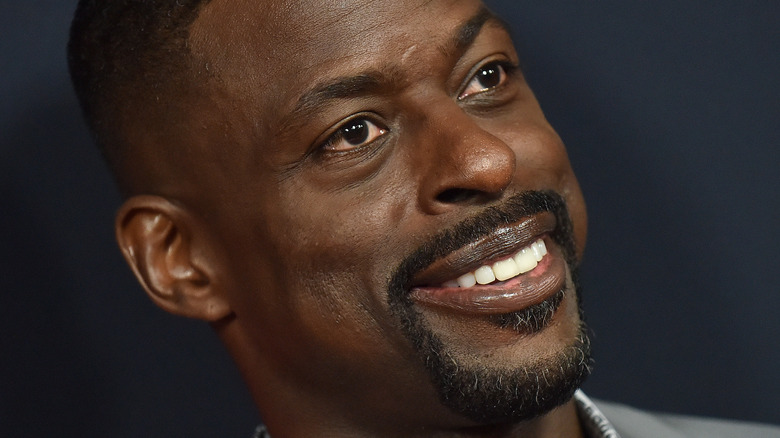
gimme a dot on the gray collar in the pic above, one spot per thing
(592, 419)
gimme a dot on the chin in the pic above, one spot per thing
(508, 368)
(501, 350)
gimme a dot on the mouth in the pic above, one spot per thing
(516, 267)
(524, 260)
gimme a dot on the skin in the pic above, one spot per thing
(286, 243)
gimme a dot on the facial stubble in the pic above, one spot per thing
(487, 393)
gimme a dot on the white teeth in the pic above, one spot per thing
(542, 247)
(523, 261)
(539, 250)
(467, 280)
(484, 275)
(505, 269)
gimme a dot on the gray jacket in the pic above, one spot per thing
(633, 423)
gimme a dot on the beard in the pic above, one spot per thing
(480, 392)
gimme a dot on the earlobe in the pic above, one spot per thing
(169, 253)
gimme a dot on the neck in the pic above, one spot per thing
(560, 422)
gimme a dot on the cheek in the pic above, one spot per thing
(315, 274)
(543, 163)
(578, 212)
(325, 255)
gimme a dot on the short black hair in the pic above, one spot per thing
(123, 56)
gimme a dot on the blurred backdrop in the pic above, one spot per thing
(670, 110)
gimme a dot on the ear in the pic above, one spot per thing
(170, 254)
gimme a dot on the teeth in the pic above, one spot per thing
(523, 261)
(467, 280)
(484, 275)
(541, 248)
(506, 269)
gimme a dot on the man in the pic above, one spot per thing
(365, 201)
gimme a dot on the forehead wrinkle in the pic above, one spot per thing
(369, 82)
(372, 81)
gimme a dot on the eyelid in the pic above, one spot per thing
(509, 67)
(336, 133)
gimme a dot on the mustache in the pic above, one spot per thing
(513, 210)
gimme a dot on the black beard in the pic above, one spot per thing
(492, 395)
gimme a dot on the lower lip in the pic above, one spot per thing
(533, 287)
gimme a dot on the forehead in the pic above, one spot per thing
(273, 50)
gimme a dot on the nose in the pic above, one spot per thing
(463, 164)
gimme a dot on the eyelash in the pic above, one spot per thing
(505, 68)
(360, 122)
(379, 130)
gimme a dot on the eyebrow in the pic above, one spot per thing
(372, 81)
(468, 32)
(340, 88)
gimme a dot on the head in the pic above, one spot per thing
(318, 180)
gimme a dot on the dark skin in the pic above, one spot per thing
(283, 234)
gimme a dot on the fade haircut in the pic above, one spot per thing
(125, 58)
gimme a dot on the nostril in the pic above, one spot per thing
(454, 196)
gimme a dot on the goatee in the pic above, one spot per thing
(491, 394)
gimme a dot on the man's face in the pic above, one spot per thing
(364, 160)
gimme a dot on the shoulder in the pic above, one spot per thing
(633, 423)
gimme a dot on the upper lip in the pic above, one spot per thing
(502, 243)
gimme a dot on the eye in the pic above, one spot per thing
(354, 134)
(488, 77)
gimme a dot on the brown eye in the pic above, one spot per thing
(488, 77)
(354, 134)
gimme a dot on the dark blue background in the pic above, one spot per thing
(670, 110)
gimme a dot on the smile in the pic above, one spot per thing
(525, 260)
(512, 269)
